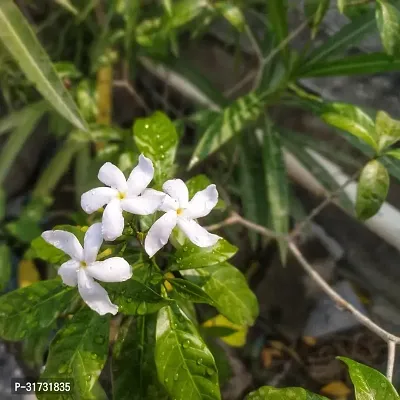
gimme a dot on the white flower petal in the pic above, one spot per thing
(140, 176)
(145, 204)
(65, 241)
(114, 269)
(92, 243)
(202, 203)
(177, 189)
(95, 296)
(94, 199)
(168, 204)
(113, 221)
(69, 272)
(197, 234)
(112, 176)
(159, 233)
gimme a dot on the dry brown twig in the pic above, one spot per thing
(390, 339)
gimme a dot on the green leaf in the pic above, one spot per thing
(56, 168)
(198, 183)
(372, 189)
(388, 20)
(348, 36)
(351, 119)
(191, 256)
(5, 265)
(229, 290)
(315, 11)
(157, 139)
(190, 291)
(278, 17)
(223, 126)
(79, 352)
(19, 136)
(342, 4)
(185, 366)
(133, 366)
(252, 183)
(271, 393)
(277, 186)
(395, 153)
(35, 346)
(193, 84)
(67, 5)
(362, 64)
(232, 13)
(32, 308)
(387, 129)
(136, 298)
(369, 383)
(18, 37)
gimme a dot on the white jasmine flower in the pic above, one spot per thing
(83, 267)
(129, 195)
(182, 212)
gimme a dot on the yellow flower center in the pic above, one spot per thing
(179, 211)
(83, 264)
(121, 195)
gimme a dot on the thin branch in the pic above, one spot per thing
(300, 227)
(391, 359)
(388, 337)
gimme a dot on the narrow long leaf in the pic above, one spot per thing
(349, 35)
(277, 186)
(353, 65)
(17, 139)
(21, 42)
(277, 13)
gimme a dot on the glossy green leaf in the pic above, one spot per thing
(157, 139)
(223, 126)
(315, 11)
(222, 361)
(20, 40)
(388, 20)
(79, 352)
(191, 256)
(19, 136)
(271, 393)
(348, 36)
(5, 265)
(135, 298)
(369, 383)
(277, 186)
(387, 129)
(133, 366)
(229, 290)
(373, 186)
(278, 17)
(185, 366)
(351, 119)
(362, 64)
(252, 183)
(32, 308)
(190, 291)
(198, 183)
(45, 251)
